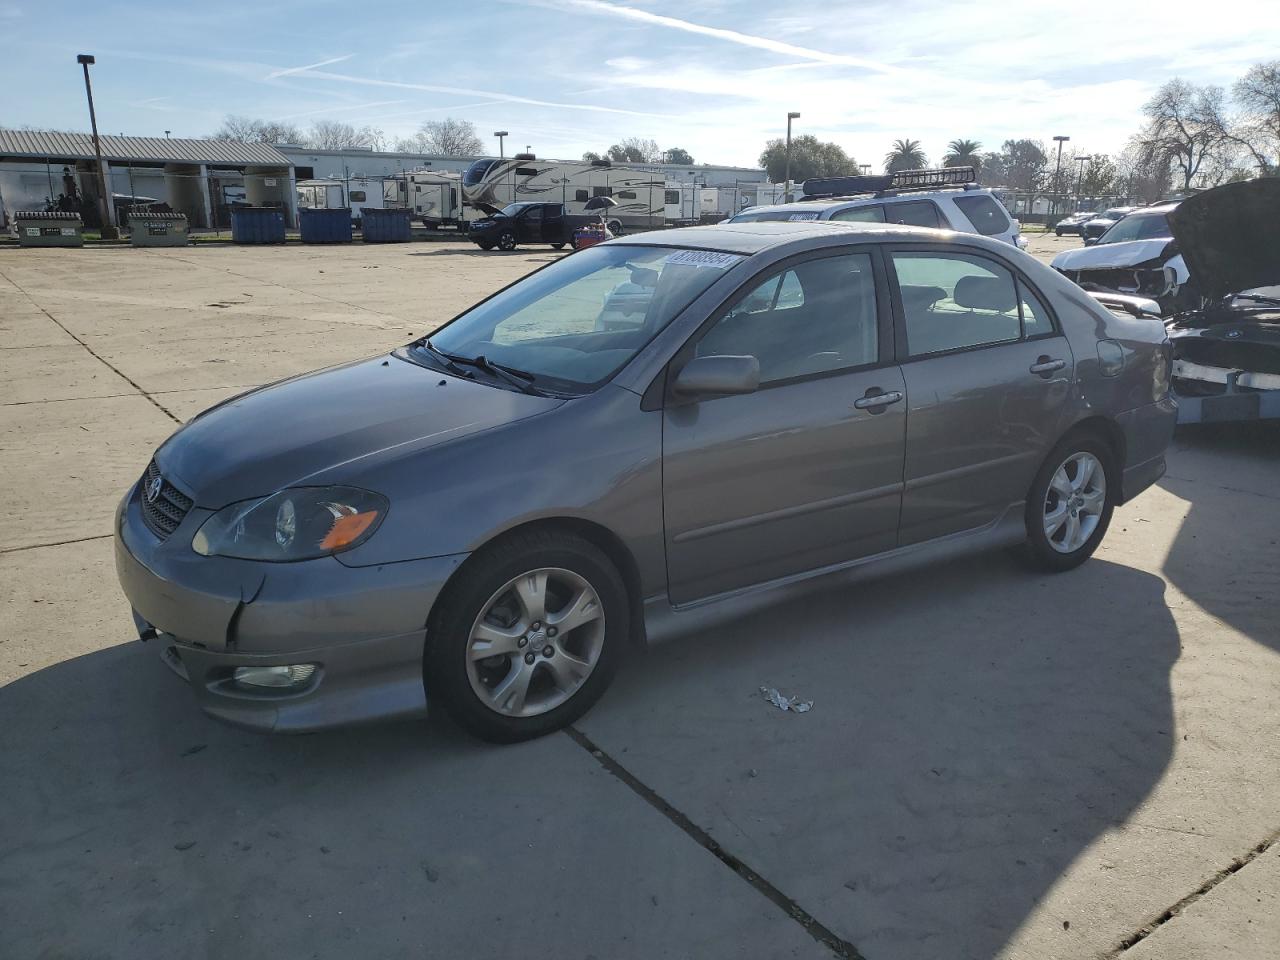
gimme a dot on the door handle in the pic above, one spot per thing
(1045, 365)
(877, 399)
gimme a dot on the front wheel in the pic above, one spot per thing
(557, 246)
(1058, 233)
(528, 637)
(1070, 504)
(484, 244)
(507, 241)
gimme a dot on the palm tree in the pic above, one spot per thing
(904, 155)
(963, 153)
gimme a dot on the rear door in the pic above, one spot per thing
(806, 471)
(988, 375)
(553, 224)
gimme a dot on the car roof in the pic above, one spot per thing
(888, 196)
(754, 236)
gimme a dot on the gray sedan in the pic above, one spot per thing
(630, 441)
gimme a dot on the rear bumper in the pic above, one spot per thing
(1148, 431)
(363, 627)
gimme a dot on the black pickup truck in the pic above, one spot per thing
(518, 223)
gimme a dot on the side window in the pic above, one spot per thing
(533, 214)
(602, 191)
(1035, 317)
(357, 196)
(673, 196)
(627, 195)
(914, 213)
(954, 300)
(811, 318)
(526, 171)
(872, 214)
(581, 195)
(984, 213)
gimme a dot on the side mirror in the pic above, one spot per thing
(717, 375)
(1090, 241)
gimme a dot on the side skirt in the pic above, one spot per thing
(664, 621)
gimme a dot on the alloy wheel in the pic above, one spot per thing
(1075, 501)
(535, 642)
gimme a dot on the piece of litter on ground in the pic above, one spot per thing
(794, 704)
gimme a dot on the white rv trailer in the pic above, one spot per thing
(640, 194)
(689, 203)
(356, 193)
(434, 197)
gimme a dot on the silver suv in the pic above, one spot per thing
(944, 199)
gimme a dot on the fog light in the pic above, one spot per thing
(294, 675)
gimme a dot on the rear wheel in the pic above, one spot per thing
(1071, 502)
(557, 246)
(507, 240)
(528, 637)
(484, 244)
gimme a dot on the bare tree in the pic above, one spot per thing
(635, 150)
(1188, 125)
(449, 137)
(335, 135)
(1258, 128)
(1143, 175)
(250, 130)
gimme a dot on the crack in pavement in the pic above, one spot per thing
(820, 932)
(1147, 929)
(106, 363)
(56, 543)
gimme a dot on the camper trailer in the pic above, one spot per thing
(434, 197)
(356, 193)
(640, 195)
(689, 203)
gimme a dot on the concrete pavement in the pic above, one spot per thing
(998, 764)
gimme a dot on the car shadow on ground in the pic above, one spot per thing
(975, 728)
(1226, 556)
(518, 252)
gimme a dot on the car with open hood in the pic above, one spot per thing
(626, 444)
(1137, 256)
(1226, 349)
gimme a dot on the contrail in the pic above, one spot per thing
(731, 36)
(311, 66)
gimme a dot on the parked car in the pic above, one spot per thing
(1102, 222)
(1074, 223)
(1226, 349)
(951, 200)
(518, 223)
(1137, 256)
(490, 516)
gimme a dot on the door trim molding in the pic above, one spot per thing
(798, 510)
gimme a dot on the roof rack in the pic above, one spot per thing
(902, 181)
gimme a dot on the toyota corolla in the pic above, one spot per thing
(489, 517)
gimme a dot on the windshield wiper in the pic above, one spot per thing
(1257, 298)
(445, 360)
(522, 380)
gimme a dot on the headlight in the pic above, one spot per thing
(296, 524)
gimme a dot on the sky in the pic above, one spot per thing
(716, 77)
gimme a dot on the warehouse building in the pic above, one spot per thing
(203, 179)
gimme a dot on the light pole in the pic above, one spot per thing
(500, 134)
(1057, 176)
(787, 189)
(865, 168)
(1079, 178)
(104, 201)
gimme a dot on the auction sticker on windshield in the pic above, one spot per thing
(705, 258)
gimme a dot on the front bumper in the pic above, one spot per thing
(363, 626)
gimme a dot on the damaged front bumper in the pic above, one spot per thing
(1208, 394)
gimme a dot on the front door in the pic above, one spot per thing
(805, 472)
(988, 374)
(529, 225)
(553, 225)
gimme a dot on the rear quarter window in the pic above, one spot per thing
(984, 213)
(914, 213)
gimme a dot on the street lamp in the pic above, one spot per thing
(1057, 176)
(104, 201)
(500, 134)
(1080, 177)
(787, 194)
(865, 168)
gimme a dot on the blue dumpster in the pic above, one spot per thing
(325, 224)
(387, 225)
(257, 225)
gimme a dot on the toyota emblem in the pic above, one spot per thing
(153, 488)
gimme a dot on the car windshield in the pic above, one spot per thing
(1137, 226)
(571, 326)
(511, 209)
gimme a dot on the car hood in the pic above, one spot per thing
(331, 426)
(1103, 256)
(1229, 236)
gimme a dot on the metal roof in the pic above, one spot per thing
(79, 146)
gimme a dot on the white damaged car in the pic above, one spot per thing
(1137, 256)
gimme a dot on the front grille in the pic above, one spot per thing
(165, 508)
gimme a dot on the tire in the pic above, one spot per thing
(557, 246)
(1058, 233)
(484, 598)
(485, 244)
(615, 227)
(1079, 533)
(507, 240)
